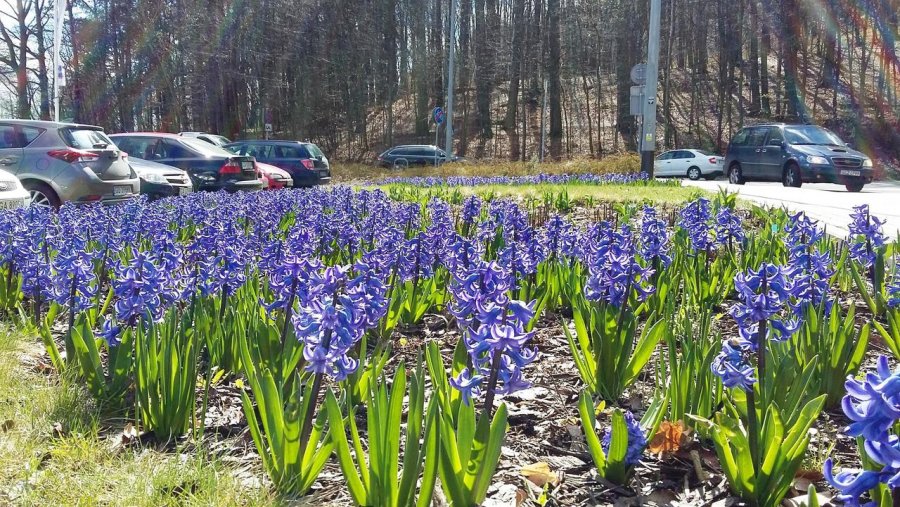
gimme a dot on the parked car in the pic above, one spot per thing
(62, 162)
(694, 164)
(209, 138)
(795, 154)
(400, 157)
(12, 193)
(210, 167)
(274, 178)
(305, 162)
(160, 180)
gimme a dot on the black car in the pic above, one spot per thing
(795, 154)
(160, 180)
(305, 162)
(210, 167)
(400, 157)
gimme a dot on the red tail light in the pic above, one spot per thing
(713, 160)
(307, 163)
(230, 167)
(70, 155)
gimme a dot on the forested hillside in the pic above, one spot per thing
(358, 75)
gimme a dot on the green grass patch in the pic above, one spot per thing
(553, 194)
(663, 194)
(82, 465)
(617, 164)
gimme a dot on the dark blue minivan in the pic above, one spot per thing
(795, 154)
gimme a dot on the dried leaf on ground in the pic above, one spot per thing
(540, 474)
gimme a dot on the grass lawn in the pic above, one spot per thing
(52, 450)
(343, 172)
(661, 194)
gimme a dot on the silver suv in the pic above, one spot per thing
(64, 162)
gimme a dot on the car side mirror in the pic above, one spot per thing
(777, 143)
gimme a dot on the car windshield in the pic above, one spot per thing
(220, 140)
(86, 139)
(811, 135)
(206, 149)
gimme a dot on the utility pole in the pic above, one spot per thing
(648, 139)
(448, 127)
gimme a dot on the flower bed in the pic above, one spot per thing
(401, 342)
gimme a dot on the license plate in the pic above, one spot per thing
(184, 190)
(247, 166)
(120, 190)
(850, 173)
(12, 204)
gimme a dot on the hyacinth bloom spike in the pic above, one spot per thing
(637, 440)
(655, 238)
(729, 230)
(493, 330)
(866, 235)
(851, 485)
(695, 219)
(873, 406)
(332, 317)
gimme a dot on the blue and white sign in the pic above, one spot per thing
(438, 115)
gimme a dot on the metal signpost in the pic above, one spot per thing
(438, 115)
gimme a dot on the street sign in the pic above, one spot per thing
(639, 74)
(438, 115)
(637, 100)
(268, 127)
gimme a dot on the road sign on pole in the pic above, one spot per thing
(639, 74)
(637, 100)
(438, 115)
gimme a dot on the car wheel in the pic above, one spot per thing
(42, 195)
(401, 163)
(735, 175)
(856, 186)
(694, 173)
(791, 176)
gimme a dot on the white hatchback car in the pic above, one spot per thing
(694, 164)
(12, 193)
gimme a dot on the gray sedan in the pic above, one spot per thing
(65, 162)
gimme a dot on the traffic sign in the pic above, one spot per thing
(268, 127)
(639, 74)
(438, 115)
(637, 100)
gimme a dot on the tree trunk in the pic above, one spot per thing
(512, 101)
(483, 71)
(40, 27)
(790, 49)
(755, 99)
(23, 105)
(553, 85)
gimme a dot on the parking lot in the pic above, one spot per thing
(826, 202)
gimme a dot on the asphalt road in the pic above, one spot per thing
(830, 204)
